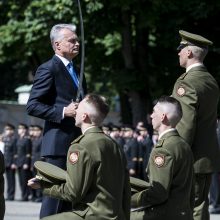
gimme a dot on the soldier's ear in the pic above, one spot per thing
(163, 117)
(85, 117)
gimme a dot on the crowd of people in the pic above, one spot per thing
(21, 147)
(137, 143)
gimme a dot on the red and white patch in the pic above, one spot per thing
(159, 160)
(181, 91)
(74, 157)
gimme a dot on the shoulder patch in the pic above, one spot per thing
(74, 157)
(181, 91)
(159, 160)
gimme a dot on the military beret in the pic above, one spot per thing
(49, 173)
(193, 40)
(137, 185)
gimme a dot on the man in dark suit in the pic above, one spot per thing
(55, 86)
(97, 179)
(198, 93)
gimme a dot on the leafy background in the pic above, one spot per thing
(130, 45)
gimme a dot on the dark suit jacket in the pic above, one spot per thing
(198, 124)
(52, 90)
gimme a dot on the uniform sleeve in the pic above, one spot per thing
(80, 172)
(188, 98)
(41, 93)
(160, 174)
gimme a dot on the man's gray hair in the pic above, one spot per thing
(55, 32)
(198, 52)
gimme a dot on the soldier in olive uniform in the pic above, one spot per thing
(2, 199)
(198, 93)
(169, 191)
(10, 159)
(97, 181)
(23, 162)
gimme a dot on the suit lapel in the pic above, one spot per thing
(61, 69)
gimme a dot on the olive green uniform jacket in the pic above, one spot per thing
(97, 179)
(169, 193)
(2, 200)
(198, 94)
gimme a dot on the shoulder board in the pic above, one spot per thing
(78, 139)
(160, 143)
(183, 75)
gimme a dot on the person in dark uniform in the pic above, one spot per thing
(54, 89)
(36, 156)
(145, 145)
(2, 199)
(23, 162)
(115, 134)
(97, 179)
(169, 191)
(31, 131)
(9, 140)
(131, 149)
(198, 93)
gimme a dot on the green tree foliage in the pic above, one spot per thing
(130, 44)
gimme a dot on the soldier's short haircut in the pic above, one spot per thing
(99, 109)
(55, 33)
(172, 108)
(199, 52)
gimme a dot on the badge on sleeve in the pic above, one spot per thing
(181, 91)
(159, 160)
(74, 157)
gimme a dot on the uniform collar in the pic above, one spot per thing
(166, 131)
(166, 134)
(193, 65)
(88, 128)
